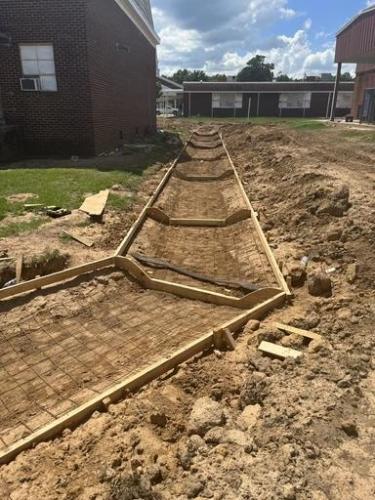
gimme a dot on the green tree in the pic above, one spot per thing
(256, 70)
(217, 78)
(282, 77)
(347, 77)
(185, 75)
(198, 76)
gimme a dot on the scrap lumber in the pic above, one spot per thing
(95, 205)
(80, 239)
(19, 265)
(297, 331)
(279, 351)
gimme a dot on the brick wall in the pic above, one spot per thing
(53, 122)
(105, 69)
(122, 66)
(365, 80)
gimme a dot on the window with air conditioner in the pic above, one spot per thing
(295, 100)
(227, 101)
(38, 66)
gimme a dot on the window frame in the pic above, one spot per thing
(341, 95)
(41, 76)
(236, 104)
(305, 103)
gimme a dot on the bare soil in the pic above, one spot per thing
(242, 425)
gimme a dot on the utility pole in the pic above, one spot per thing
(336, 92)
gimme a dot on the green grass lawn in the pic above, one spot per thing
(64, 187)
(15, 228)
(66, 184)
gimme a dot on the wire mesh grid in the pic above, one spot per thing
(53, 362)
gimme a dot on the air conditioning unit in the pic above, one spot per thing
(30, 84)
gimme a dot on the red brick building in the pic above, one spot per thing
(356, 44)
(78, 76)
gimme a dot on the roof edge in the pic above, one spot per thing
(265, 83)
(137, 17)
(355, 18)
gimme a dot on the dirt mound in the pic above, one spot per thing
(284, 429)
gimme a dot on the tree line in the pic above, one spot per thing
(256, 70)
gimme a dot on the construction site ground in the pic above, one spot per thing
(233, 425)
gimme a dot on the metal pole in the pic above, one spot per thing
(336, 91)
(258, 104)
(249, 109)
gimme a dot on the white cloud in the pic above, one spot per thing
(226, 45)
(307, 24)
(177, 43)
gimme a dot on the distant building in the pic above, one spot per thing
(356, 44)
(172, 96)
(78, 76)
(284, 99)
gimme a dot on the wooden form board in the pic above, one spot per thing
(160, 216)
(125, 245)
(192, 293)
(52, 279)
(203, 178)
(132, 384)
(270, 256)
(94, 205)
(127, 241)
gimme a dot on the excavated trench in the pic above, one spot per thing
(208, 191)
(63, 347)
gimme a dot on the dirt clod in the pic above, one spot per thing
(319, 284)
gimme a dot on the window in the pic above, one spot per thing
(295, 100)
(38, 62)
(344, 100)
(227, 101)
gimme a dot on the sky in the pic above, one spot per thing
(220, 36)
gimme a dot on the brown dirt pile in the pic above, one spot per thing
(241, 425)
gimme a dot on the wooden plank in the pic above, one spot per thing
(198, 222)
(80, 239)
(94, 205)
(193, 293)
(158, 215)
(279, 351)
(127, 241)
(257, 312)
(243, 192)
(298, 331)
(238, 217)
(270, 256)
(203, 178)
(19, 266)
(161, 217)
(119, 391)
(55, 278)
